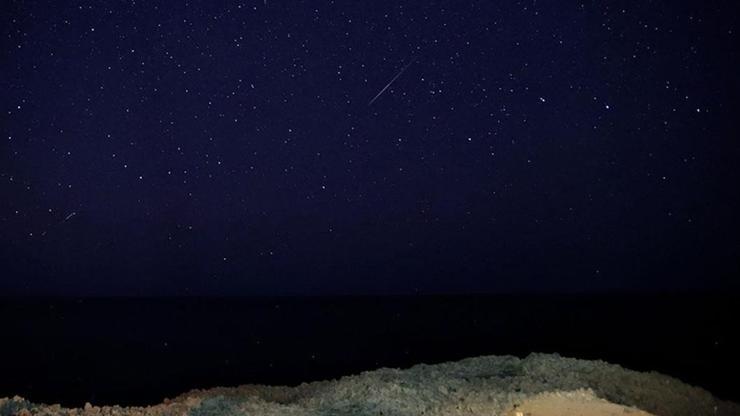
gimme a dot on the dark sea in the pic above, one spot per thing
(137, 351)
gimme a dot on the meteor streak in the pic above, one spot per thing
(390, 82)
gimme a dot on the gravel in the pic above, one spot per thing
(489, 385)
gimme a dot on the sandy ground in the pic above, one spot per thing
(576, 403)
(538, 385)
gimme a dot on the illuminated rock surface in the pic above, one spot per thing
(541, 384)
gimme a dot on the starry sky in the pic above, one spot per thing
(384, 147)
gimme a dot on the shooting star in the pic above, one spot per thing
(59, 224)
(390, 82)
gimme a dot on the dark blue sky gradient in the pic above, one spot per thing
(228, 148)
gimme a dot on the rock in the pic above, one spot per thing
(490, 385)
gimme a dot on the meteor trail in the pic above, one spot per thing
(390, 82)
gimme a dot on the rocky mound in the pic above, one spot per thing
(539, 385)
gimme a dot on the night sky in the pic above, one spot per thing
(379, 147)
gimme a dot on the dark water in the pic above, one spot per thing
(138, 351)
